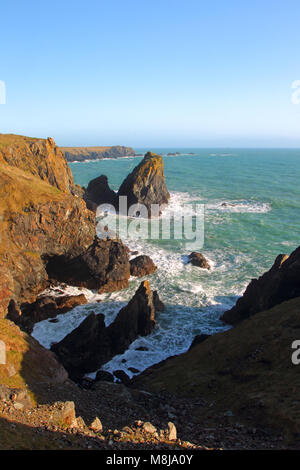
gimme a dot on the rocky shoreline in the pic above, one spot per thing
(212, 396)
(81, 154)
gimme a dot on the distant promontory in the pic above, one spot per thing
(80, 154)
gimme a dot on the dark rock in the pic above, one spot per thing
(197, 259)
(159, 305)
(103, 266)
(87, 383)
(197, 340)
(133, 370)
(47, 307)
(98, 192)
(146, 183)
(141, 266)
(92, 344)
(142, 348)
(122, 376)
(103, 375)
(280, 283)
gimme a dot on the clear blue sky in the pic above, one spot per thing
(152, 73)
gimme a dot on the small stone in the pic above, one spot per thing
(148, 427)
(80, 422)
(96, 425)
(11, 371)
(172, 431)
(18, 406)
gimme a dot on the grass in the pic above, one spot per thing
(247, 370)
(7, 140)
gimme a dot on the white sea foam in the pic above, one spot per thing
(241, 206)
(194, 298)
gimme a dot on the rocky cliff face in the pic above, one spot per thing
(81, 154)
(93, 344)
(42, 222)
(280, 283)
(39, 157)
(146, 183)
(38, 221)
(104, 266)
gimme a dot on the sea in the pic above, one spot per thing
(251, 200)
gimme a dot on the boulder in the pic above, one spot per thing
(122, 376)
(197, 259)
(149, 428)
(63, 414)
(103, 375)
(146, 184)
(92, 344)
(142, 266)
(280, 283)
(172, 432)
(19, 398)
(96, 425)
(104, 266)
(98, 192)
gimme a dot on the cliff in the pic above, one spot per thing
(40, 221)
(280, 283)
(81, 154)
(39, 157)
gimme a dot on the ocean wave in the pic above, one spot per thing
(241, 206)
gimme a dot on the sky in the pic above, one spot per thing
(164, 73)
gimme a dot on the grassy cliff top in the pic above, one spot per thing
(7, 140)
(82, 150)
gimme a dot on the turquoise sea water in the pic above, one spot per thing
(260, 219)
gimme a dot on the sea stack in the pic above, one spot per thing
(146, 183)
(92, 344)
